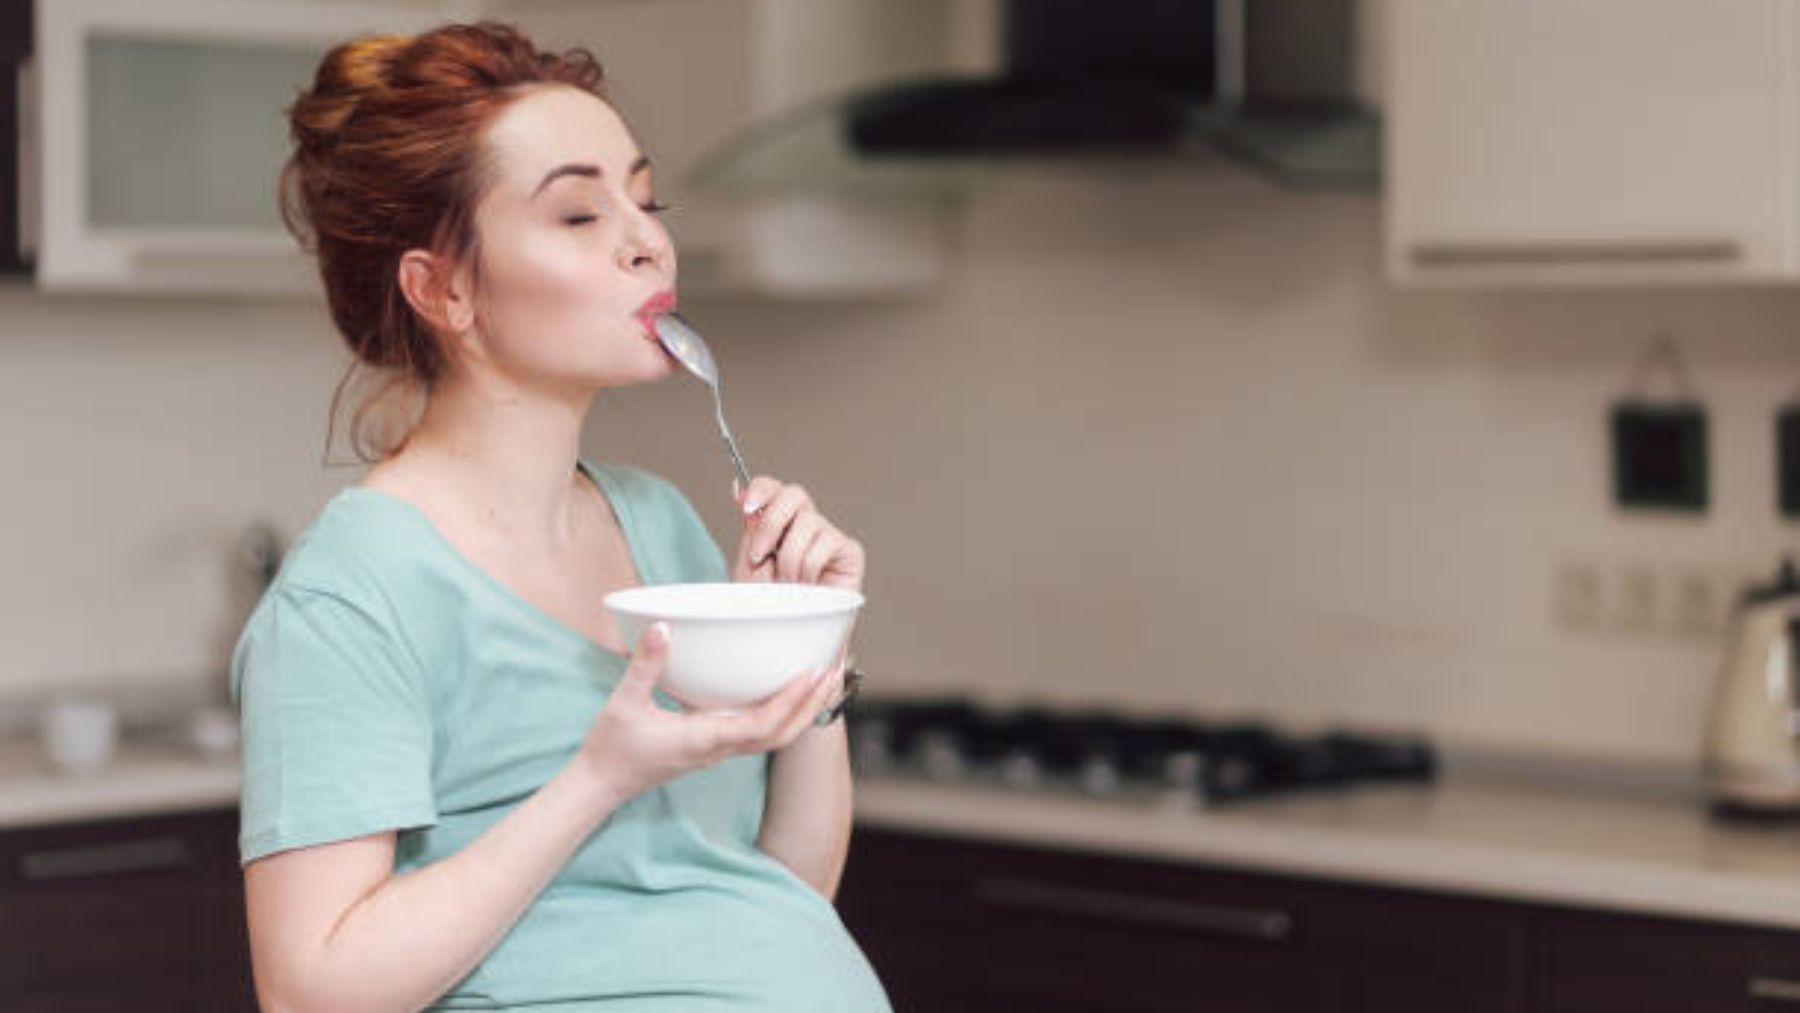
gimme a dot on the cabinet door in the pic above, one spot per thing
(1584, 962)
(1591, 141)
(956, 925)
(162, 136)
(15, 49)
(149, 908)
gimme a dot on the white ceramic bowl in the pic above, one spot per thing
(731, 645)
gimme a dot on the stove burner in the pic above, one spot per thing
(1105, 754)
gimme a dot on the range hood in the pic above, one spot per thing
(1266, 84)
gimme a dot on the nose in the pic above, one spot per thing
(646, 246)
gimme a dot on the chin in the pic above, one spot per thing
(626, 374)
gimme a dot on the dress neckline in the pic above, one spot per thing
(608, 489)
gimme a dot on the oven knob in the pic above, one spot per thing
(1100, 777)
(1020, 771)
(940, 757)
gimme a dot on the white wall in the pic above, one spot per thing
(140, 438)
(1172, 444)
(1164, 444)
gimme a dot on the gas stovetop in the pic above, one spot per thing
(1105, 754)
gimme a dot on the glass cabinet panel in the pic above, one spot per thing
(188, 134)
(162, 132)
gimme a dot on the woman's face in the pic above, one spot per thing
(571, 255)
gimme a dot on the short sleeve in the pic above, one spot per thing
(336, 724)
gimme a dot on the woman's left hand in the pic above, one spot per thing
(787, 539)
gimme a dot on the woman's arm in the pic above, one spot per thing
(806, 817)
(331, 927)
(807, 814)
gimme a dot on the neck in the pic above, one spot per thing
(507, 455)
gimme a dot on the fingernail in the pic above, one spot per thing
(658, 634)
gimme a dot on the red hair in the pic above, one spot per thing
(388, 156)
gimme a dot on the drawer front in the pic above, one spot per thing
(222, 994)
(152, 904)
(1596, 963)
(1152, 936)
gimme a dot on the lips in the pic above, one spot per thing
(656, 306)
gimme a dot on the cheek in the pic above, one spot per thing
(540, 268)
(535, 289)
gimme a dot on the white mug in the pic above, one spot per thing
(79, 735)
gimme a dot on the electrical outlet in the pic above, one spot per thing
(1575, 598)
(1632, 599)
(1696, 602)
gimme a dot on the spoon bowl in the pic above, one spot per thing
(685, 345)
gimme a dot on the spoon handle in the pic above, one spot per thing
(731, 447)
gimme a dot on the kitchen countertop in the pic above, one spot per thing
(1662, 856)
(1650, 856)
(143, 779)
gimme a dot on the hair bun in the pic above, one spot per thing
(348, 72)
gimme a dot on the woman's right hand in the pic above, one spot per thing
(635, 744)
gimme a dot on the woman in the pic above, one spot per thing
(459, 790)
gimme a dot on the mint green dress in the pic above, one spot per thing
(387, 683)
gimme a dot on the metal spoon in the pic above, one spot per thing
(686, 346)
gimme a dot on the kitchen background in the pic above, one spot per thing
(1168, 436)
(1163, 440)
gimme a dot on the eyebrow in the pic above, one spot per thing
(586, 169)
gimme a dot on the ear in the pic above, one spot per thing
(438, 290)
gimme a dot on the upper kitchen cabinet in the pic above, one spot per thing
(688, 75)
(15, 51)
(160, 132)
(1581, 142)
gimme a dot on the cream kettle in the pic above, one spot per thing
(1753, 742)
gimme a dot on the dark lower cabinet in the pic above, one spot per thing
(954, 925)
(147, 916)
(144, 915)
(1599, 963)
(958, 926)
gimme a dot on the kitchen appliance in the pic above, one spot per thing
(1274, 85)
(1103, 754)
(1753, 742)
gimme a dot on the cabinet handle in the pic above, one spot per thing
(1711, 251)
(103, 859)
(1775, 990)
(1049, 898)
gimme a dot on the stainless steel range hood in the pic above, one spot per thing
(1263, 84)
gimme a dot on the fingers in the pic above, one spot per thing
(786, 538)
(769, 525)
(790, 554)
(762, 489)
(846, 566)
(645, 668)
(781, 718)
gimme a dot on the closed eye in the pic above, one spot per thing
(654, 208)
